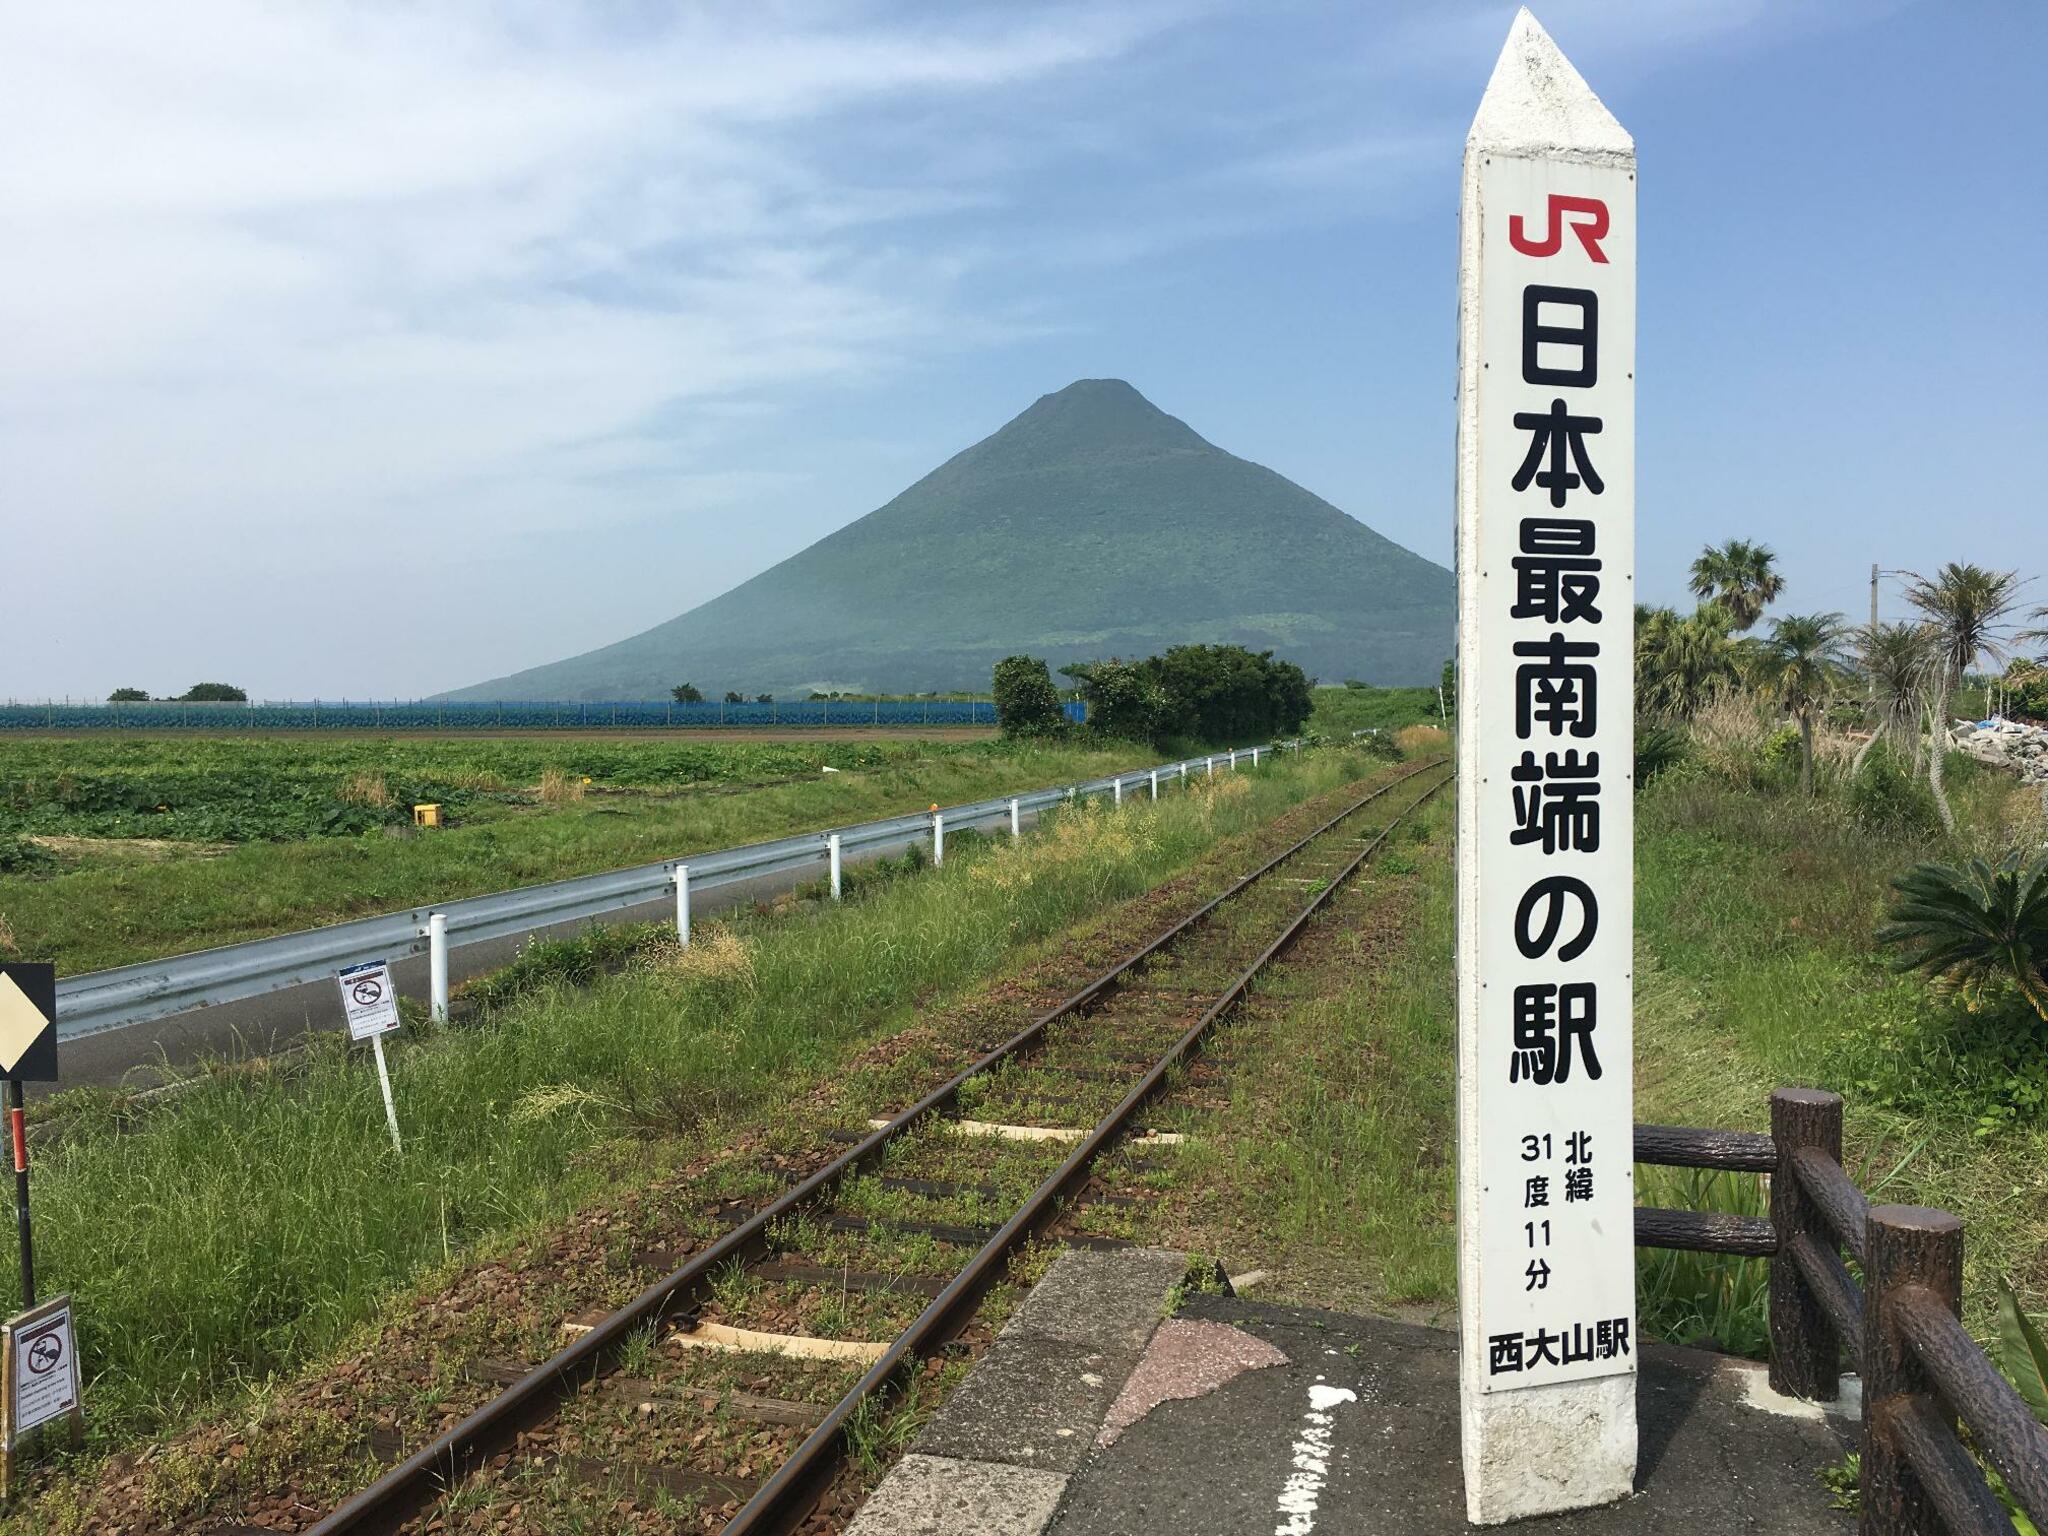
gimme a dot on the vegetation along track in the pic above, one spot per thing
(865, 1242)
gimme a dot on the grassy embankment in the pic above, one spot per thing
(1340, 711)
(262, 837)
(250, 1223)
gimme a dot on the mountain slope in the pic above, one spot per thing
(1092, 525)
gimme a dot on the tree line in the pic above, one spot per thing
(1907, 674)
(1210, 694)
(198, 693)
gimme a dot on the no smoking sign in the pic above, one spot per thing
(42, 1368)
(369, 999)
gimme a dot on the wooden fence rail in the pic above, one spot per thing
(1922, 1373)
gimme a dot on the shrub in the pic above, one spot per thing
(734, 698)
(1780, 754)
(1225, 693)
(687, 693)
(1027, 704)
(1380, 744)
(128, 696)
(1658, 747)
(213, 693)
(1887, 796)
(25, 856)
(1122, 701)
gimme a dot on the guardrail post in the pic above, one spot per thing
(1116, 790)
(1255, 757)
(1016, 818)
(683, 905)
(437, 966)
(832, 853)
(1806, 1358)
(938, 839)
(1910, 1248)
(1233, 759)
(1155, 783)
(1209, 764)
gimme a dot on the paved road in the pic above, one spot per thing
(140, 1055)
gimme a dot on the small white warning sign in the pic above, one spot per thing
(42, 1367)
(369, 1000)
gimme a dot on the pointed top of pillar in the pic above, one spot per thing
(1537, 104)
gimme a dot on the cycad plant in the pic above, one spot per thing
(1976, 925)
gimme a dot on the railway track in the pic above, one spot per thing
(768, 1369)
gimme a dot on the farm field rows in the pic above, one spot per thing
(115, 850)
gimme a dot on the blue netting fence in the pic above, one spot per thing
(427, 715)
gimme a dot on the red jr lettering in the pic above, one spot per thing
(1591, 227)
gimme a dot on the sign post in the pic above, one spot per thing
(39, 1378)
(1546, 551)
(371, 1003)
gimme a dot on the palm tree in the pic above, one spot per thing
(1975, 925)
(1681, 663)
(1895, 659)
(1741, 577)
(1797, 668)
(1971, 612)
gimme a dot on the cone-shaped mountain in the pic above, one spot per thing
(1092, 525)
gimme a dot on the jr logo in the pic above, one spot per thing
(1589, 224)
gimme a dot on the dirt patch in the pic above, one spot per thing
(126, 850)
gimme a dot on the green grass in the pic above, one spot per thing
(111, 910)
(1340, 711)
(1353, 1171)
(250, 1222)
(1756, 969)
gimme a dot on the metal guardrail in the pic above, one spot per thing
(94, 1001)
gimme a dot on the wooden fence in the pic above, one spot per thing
(1923, 1375)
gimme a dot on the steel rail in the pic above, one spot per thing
(789, 1492)
(94, 1001)
(404, 1490)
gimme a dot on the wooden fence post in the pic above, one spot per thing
(1911, 1248)
(1806, 1359)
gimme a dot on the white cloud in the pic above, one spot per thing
(269, 274)
(461, 279)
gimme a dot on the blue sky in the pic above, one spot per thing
(374, 349)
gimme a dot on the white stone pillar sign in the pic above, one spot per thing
(1546, 551)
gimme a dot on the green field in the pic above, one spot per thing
(119, 850)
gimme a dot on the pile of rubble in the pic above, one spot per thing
(2006, 744)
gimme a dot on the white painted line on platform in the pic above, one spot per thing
(797, 1346)
(1303, 1491)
